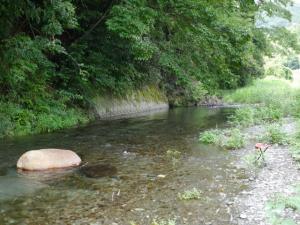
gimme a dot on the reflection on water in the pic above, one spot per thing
(136, 149)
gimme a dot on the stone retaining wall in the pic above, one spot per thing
(146, 100)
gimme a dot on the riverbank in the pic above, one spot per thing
(271, 197)
(17, 120)
(276, 177)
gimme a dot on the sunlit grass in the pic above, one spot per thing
(272, 92)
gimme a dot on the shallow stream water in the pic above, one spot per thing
(147, 181)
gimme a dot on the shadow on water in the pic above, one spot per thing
(133, 177)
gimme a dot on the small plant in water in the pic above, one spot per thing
(210, 137)
(164, 222)
(229, 139)
(234, 139)
(190, 194)
(173, 155)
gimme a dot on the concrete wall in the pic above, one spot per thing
(137, 102)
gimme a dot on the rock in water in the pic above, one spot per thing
(97, 171)
(44, 159)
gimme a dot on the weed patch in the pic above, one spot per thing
(274, 135)
(190, 194)
(15, 120)
(210, 137)
(228, 138)
(234, 139)
(276, 208)
(254, 160)
(164, 222)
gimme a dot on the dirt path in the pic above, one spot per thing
(280, 173)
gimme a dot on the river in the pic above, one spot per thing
(147, 181)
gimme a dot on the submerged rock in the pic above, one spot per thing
(3, 171)
(100, 170)
(44, 159)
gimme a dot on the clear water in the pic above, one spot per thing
(135, 193)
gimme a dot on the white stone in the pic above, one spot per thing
(44, 159)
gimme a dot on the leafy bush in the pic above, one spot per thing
(234, 139)
(19, 121)
(280, 71)
(210, 137)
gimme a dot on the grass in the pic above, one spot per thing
(172, 153)
(253, 159)
(273, 99)
(277, 206)
(16, 120)
(190, 194)
(295, 151)
(249, 116)
(266, 91)
(174, 156)
(210, 137)
(228, 139)
(274, 135)
(234, 139)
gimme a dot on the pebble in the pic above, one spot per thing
(139, 209)
(161, 176)
(243, 216)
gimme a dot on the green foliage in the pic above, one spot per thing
(190, 194)
(280, 71)
(243, 117)
(174, 156)
(248, 116)
(255, 159)
(62, 53)
(234, 139)
(210, 137)
(276, 207)
(292, 62)
(228, 138)
(274, 135)
(277, 94)
(15, 120)
(295, 151)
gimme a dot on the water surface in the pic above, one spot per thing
(137, 148)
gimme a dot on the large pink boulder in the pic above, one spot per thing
(44, 159)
